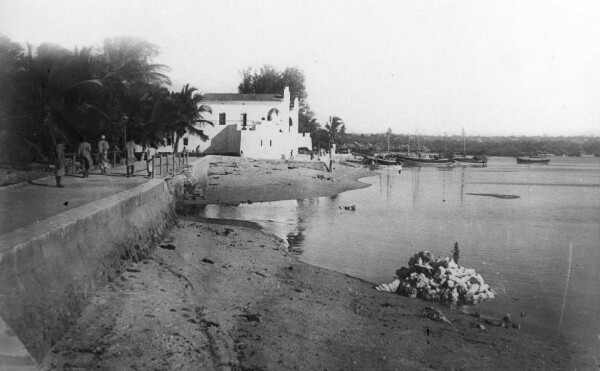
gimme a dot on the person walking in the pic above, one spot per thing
(130, 157)
(85, 156)
(59, 169)
(103, 154)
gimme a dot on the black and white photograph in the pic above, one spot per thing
(299, 185)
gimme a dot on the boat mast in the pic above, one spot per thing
(388, 139)
(445, 145)
(464, 144)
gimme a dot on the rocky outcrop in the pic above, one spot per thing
(431, 278)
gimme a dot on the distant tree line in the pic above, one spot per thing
(479, 145)
(52, 94)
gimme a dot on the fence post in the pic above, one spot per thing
(173, 161)
(114, 159)
(167, 161)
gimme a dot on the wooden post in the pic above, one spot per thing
(153, 168)
(173, 161)
(114, 158)
(167, 162)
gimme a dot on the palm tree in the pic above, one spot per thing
(54, 96)
(335, 128)
(187, 115)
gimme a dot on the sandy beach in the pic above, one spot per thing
(216, 296)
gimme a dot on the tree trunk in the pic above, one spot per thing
(175, 143)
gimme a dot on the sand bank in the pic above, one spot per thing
(237, 180)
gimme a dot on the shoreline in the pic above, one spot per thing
(232, 297)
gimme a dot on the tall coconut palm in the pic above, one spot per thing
(187, 115)
(335, 127)
(132, 82)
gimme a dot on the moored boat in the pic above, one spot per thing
(480, 161)
(381, 160)
(423, 160)
(464, 160)
(532, 160)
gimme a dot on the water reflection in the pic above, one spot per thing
(520, 245)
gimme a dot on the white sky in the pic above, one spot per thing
(433, 66)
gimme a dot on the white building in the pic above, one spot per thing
(251, 125)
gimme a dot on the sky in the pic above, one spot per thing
(421, 66)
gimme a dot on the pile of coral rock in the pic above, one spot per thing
(442, 279)
(192, 189)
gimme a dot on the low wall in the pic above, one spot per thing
(315, 165)
(49, 270)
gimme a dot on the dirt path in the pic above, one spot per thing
(233, 298)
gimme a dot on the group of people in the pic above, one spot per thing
(84, 152)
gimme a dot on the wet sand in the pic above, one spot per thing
(232, 297)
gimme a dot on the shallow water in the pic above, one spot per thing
(532, 231)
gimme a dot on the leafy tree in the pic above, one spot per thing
(268, 80)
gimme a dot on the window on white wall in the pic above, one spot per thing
(270, 143)
(222, 118)
(185, 141)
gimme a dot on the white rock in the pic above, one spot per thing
(439, 272)
(474, 288)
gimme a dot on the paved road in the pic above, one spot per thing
(28, 203)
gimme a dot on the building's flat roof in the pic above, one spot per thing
(217, 97)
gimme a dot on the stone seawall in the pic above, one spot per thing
(49, 270)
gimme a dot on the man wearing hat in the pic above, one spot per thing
(59, 169)
(103, 151)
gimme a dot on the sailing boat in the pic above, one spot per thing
(465, 160)
(422, 158)
(385, 158)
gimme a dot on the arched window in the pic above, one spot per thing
(272, 112)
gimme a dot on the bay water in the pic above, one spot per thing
(532, 232)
